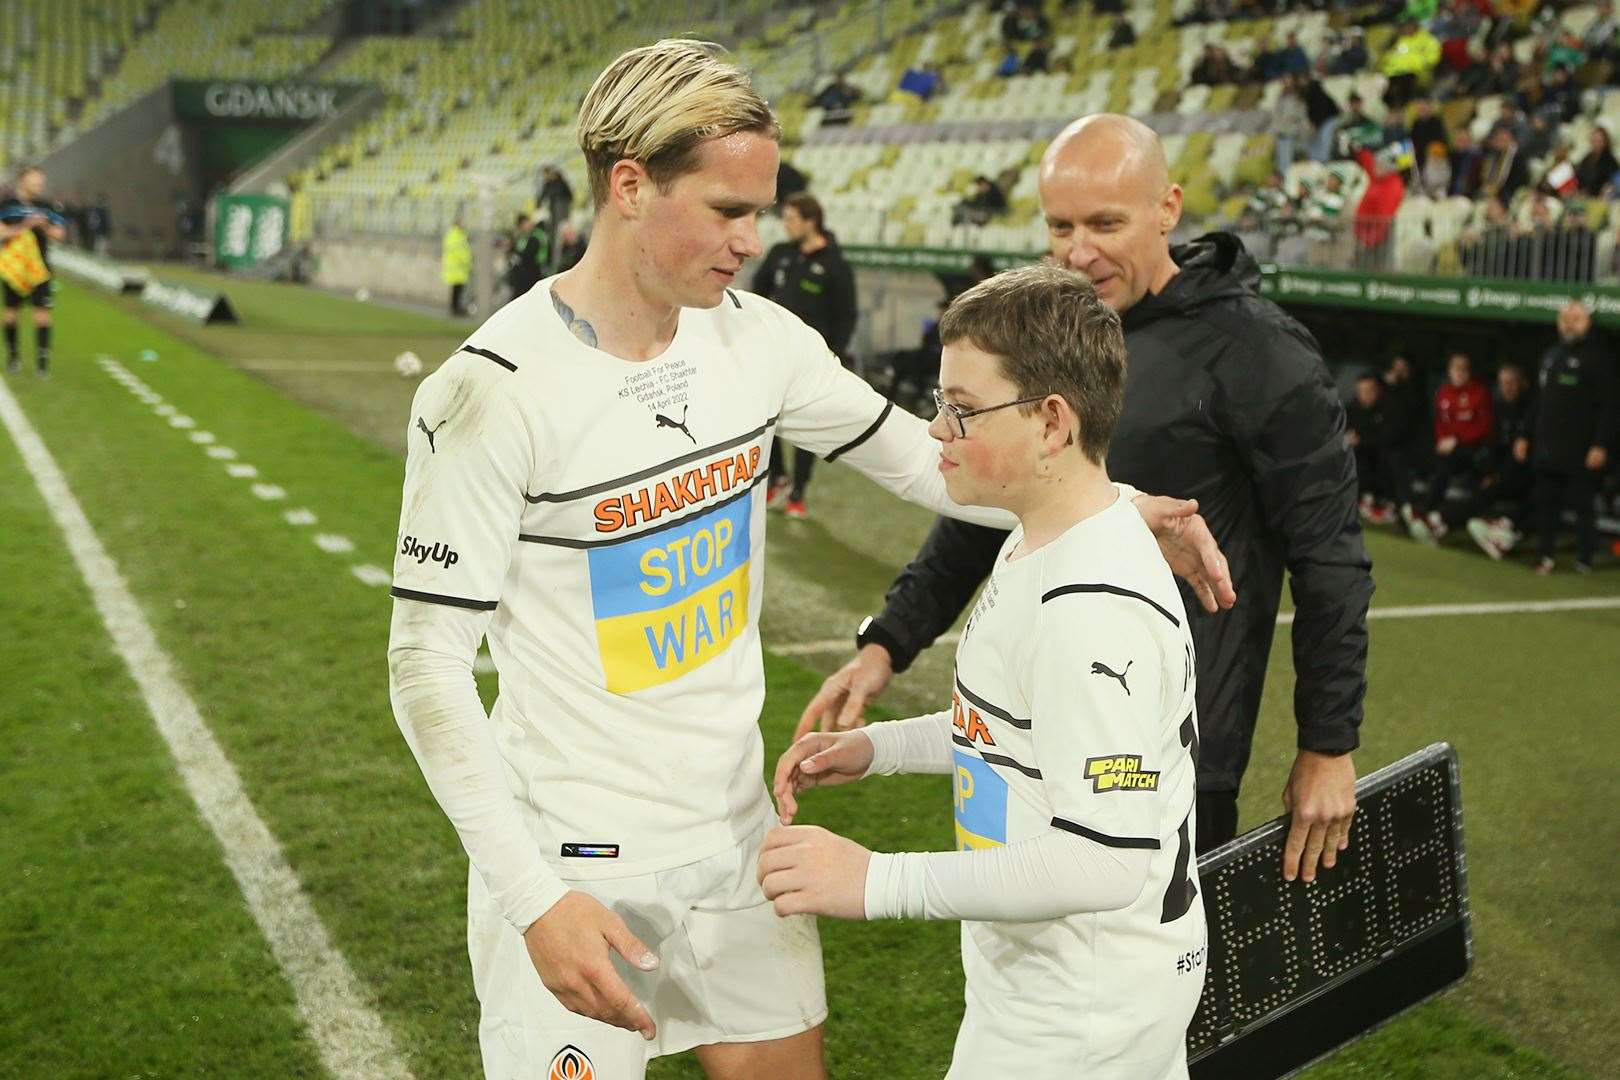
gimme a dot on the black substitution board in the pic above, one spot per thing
(1297, 970)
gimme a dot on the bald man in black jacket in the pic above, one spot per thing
(1227, 401)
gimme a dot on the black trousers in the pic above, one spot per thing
(1577, 491)
(1217, 819)
(804, 462)
(1462, 461)
(1508, 495)
(457, 294)
(1385, 471)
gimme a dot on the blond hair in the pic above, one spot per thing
(658, 104)
(1053, 335)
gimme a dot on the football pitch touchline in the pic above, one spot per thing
(1414, 611)
(353, 1042)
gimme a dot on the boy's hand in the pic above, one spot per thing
(805, 869)
(818, 759)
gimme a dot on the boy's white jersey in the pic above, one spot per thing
(1073, 709)
(610, 514)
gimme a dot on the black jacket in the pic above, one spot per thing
(819, 288)
(1576, 406)
(1227, 400)
(1376, 425)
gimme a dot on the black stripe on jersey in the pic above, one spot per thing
(439, 598)
(672, 463)
(888, 407)
(570, 542)
(1146, 843)
(734, 301)
(1064, 590)
(993, 710)
(997, 759)
(487, 355)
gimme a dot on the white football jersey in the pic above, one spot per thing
(611, 514)
(1073, 709)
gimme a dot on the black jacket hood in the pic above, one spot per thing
(1214, 267)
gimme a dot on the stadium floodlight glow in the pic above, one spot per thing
(1297, 970)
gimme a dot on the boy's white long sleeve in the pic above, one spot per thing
(919, 745)
(1045, 877)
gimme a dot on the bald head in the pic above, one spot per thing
(1110, 206)
(1108, 146)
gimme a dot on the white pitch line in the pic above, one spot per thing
(315, 367)
(1415, 611)
(353, 1041)
(372, 575)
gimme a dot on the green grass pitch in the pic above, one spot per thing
(129, 952)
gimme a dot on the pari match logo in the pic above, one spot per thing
(1120, 772)
(670, 602)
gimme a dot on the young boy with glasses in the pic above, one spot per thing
(1072, 728)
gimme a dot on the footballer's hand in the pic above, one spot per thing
(819, 759)
(1521, 450)
(804, 869)
(571, 946)
(840, 704)
(1187, 545)
(1321, 796)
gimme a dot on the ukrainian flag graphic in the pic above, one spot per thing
(981, 804)
(670, 602)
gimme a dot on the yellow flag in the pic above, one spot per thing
(21, 265)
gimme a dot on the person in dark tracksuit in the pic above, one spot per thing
(806, 274)
(1577, 410)
(1227, 401)
(1497, 514)
(531, 254)
(1373, 430)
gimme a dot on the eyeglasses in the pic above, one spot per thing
(958, 415)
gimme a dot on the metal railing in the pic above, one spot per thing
(1550, 252)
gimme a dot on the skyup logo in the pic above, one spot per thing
(1120, 772)
(440, 553)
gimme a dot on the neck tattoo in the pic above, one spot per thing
(578, 326)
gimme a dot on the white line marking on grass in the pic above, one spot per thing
(351, 1038)
(1414, 611)
(221, 453)
(165, 410)
(242, 470)
(300, 516)
(270, 492)
(483, 664)
(182, 422)
(316, 367)
(202, 438)
(1509, 607)
(372, 575)
(337, 545)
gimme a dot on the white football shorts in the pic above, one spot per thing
(730, 970)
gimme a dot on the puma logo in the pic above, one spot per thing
(664, 421)
(1100, 668)
(430, 432)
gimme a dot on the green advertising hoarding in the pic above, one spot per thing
(248, 230)
(1467, 298)
(1412, 294)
